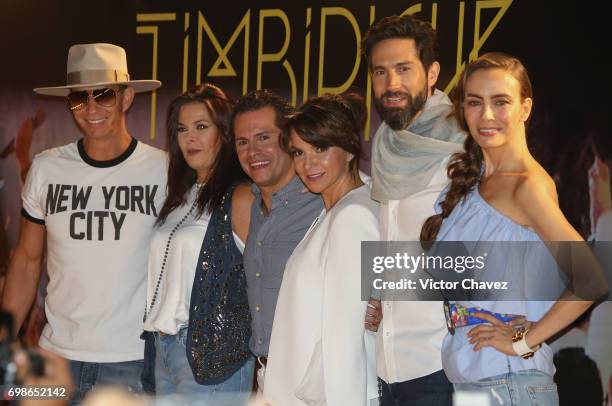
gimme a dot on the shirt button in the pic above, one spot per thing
(286, 202)
(259, 243)
(261, 212)
(387, 333)
(387, 305)
(257, 308)
(259, 341)
(257, 274)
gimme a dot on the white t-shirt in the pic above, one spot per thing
(171, 309)
(99, 217)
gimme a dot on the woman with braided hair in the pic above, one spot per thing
(499, 192)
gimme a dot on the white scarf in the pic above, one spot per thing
(404, 162)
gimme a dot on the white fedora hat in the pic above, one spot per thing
(94, 65)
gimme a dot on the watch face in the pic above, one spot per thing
(518, 334)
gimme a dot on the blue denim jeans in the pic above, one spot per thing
(174, 378)
(87, 375)
(531, 387)
(430, 390)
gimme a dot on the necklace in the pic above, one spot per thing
(163, 266)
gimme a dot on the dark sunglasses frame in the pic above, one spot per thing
(105, 97)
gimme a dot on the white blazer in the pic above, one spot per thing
(320, 352)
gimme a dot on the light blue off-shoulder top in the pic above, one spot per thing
(526, 264)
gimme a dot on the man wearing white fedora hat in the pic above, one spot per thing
(94, 202)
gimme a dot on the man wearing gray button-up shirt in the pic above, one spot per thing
(282, 211)
(272, 239)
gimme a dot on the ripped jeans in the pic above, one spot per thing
(531, 387)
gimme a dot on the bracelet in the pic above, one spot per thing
(519, 344)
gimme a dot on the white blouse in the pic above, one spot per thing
(320, 352)
(170, 311)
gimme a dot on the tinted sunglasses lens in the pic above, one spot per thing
(104, 97)
(77, 100)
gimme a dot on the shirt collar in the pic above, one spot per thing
(282, 196)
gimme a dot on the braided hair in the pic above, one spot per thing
(464, 167)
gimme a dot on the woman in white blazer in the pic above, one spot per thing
(320, 352)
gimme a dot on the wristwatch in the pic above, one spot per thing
(519, 344)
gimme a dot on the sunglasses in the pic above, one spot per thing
(105, 97)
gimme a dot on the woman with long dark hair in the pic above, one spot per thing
(197, 306)
(320, 353)
(499, 192)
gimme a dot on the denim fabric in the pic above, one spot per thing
(430, 390)
(521, 388)
(175, 383)
(87, 375)
(148, 368)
